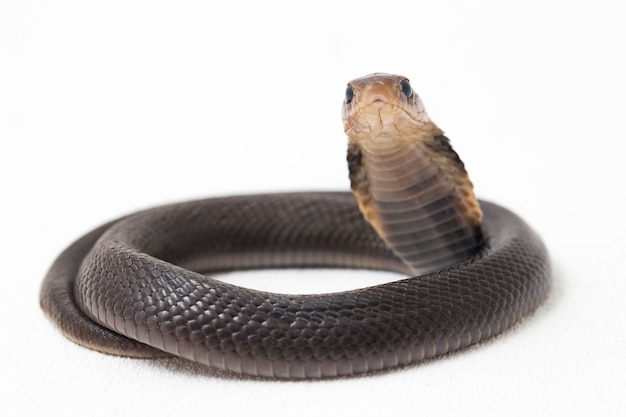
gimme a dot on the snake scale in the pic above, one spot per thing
(140, 286)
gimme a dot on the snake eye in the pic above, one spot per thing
(406, 88)
(349, 94)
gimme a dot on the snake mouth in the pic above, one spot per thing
(382, 115)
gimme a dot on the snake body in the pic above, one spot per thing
(138, 286)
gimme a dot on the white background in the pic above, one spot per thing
(109, 107)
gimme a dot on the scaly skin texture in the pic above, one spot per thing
(410, 184)
(139, 286)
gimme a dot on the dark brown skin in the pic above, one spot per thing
(137, 286)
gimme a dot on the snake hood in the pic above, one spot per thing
(410, 184)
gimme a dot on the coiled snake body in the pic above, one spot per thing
(138, 286)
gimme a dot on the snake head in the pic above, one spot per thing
(378, 105)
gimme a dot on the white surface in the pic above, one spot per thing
(109, 107)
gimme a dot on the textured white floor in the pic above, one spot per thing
(109, 107)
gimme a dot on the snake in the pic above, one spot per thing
(144, 285)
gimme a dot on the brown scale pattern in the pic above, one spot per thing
(135, 294)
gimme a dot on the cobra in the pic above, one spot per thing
(140, 286)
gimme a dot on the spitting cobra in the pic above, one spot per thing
(140, 286)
